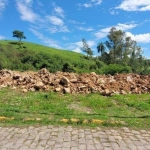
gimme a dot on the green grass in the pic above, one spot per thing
(66, 55)
(42, 108)
(49, 50)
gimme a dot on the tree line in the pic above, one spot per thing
(119, 50)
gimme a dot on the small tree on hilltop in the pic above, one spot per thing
(19, 35)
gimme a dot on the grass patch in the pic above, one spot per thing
(42, 108)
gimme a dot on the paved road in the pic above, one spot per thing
(71, 138)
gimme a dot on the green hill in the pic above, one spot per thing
(31, 56)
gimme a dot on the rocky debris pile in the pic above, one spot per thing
(75, 83)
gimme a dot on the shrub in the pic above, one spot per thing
(68, 68)
(116, 68)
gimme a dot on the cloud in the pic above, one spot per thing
(91, 3)
(96, 2)
(2, 5)
(124, 27)
(63, 29)
(85, 29)
(57, 24)
(140, 38)
(59, 11)
(55, 29)
(91, 43)
(100, 34)
(134, 5)
(87, 5)
(113, 12)
(104, 32)
(26, 13)
(76, 22)
(55, 20)
(46, 40)
(53, 23)
(2, 37)
(52, 29)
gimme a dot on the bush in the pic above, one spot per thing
(68, 68)
(116, 68)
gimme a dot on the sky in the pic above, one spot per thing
(63, 24)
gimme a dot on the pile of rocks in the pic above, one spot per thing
(75, 83)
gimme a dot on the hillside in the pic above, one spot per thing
(37, 48)
(32, 56)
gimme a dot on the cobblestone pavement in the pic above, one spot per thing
(72, 138)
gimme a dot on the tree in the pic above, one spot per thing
(105, 57)
(122, 49)
(89, 52)
(127, 50)
(19, 35)
(101, 48)
(115, 44)
(86, 49)
(136, 59)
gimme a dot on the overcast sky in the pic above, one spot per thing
(63, 23)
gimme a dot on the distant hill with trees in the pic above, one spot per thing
(119, 54)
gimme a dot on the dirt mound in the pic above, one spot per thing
(75, 83)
